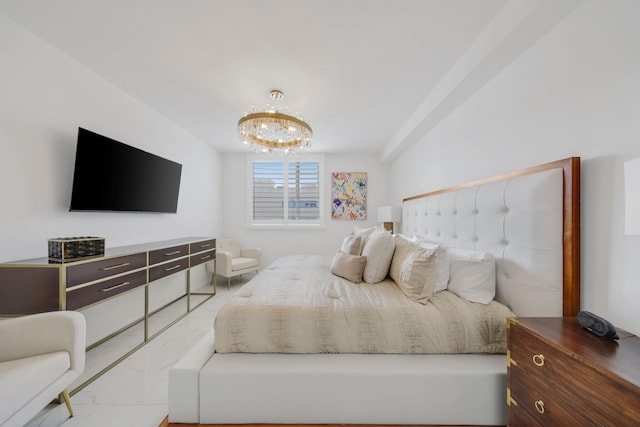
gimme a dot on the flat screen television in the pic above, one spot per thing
(112, 176)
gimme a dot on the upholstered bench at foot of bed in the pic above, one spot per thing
(337, 388)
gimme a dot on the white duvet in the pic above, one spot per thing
(297, 306)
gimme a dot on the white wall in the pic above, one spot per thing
(44, 97)
(576, 92)
(276, 243)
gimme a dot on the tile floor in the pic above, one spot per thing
(134, 392)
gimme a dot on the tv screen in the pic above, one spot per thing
(112, 176)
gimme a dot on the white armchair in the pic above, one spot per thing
(232, 260)
(40, 355)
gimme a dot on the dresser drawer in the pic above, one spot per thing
(162, 270)
(204, 245)
(81, 297)
(203, 257)
(166, 254)
(96, 270)
(29, 290)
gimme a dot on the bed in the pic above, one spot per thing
(527, 220)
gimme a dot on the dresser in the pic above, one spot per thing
(559, 374)
(116, 292)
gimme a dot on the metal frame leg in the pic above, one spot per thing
(67, 401)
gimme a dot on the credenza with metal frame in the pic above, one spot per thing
(39, 285)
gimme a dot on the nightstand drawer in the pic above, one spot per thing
(203, 257)
(163, 270)
(204, 245)
(167, 254)
(536, 356)
(87, 295)
(544, 400)
(96, 270)
(521, 418)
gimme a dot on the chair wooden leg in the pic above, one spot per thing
(67, 401)
(229, 283)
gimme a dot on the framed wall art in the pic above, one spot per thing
(349, 195)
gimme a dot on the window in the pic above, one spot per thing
(286, 191)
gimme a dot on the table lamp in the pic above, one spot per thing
(388, 215)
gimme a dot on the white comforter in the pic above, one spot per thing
(297, 306)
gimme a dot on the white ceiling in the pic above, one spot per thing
(368, 75)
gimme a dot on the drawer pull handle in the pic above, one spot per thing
(172, 253)
(111, 288)
(206, 245)
(538, 359)
(172, 268)
(539, 406)
(124, 264)
(205, 257)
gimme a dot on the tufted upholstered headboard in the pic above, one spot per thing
(528, 219)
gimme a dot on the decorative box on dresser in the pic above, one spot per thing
(559, 374)
(116, 292)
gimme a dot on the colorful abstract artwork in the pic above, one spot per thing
(349, 195)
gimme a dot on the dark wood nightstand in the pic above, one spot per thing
(562, 375)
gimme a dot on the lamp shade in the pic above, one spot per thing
(632, 196)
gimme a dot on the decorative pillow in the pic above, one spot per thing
(442, 261)
(348, 266)
(472, 275)
(378, 249)
(352, 245)
(414, 270)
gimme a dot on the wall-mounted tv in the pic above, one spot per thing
(112, 176)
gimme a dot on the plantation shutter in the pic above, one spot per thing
(304, 190)
(301, 201)
(268, 190)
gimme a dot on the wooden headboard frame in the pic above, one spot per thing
(570, 168)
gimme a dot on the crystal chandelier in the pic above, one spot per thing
(274, 129)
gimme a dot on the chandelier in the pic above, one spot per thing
(274, 129)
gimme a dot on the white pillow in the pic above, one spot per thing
(352, 245)
(472, 275)
(349, 267)
(405, 237)
(414, 269)
(366, 232)
(442, 261)
(378, 249)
